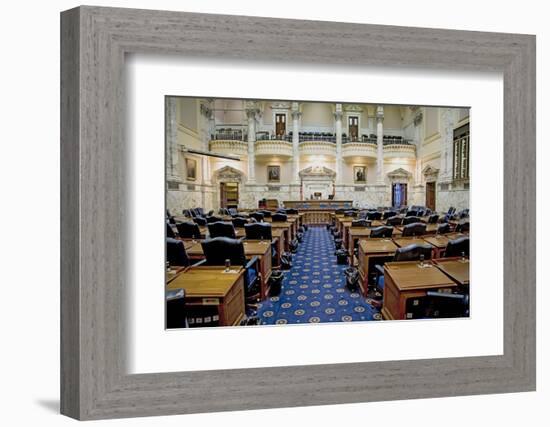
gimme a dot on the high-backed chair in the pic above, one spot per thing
(464, 213)
(292, 211)
(170, 218)
(381, 232)
(199, 211)
(267, 214)
(388, 214)
(258, 216)
(350, 213)
(463, 227)
(176, 312)
(221, 229)
(199, 220)
(432, 219)
(360, 223)
(258, 231)
(443, 228)
(169, 231)
(278, 217)
(213, 218)
(411, 212)
(220, 249)
(414, 229)
(239, 222)
(420, 212)
(373, 216)
(406, 253)
(188, 213)
(410, 219)
(438, 305)
(457, 247)
(188, 230)
(175, 253)
(394, 221)
(232, 211)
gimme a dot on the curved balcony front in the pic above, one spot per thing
(317, 148)
(273, 147)
(400, 150)
(358, 149)
(229, 146)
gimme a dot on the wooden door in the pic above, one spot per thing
(353, 127)
(430, 195)
(280, 124)
(229, 195)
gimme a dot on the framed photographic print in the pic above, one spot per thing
(360, 174)
(191, 169)
(273, 173)
(313, 267)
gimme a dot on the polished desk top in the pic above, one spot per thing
(456, 269)
(206, 281)
(251, 247)
(372, 246)
(408, 276)
(406, 241)
(441, 240)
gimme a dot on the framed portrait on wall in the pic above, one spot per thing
(273, 173)
(360, 174)
(191, 169)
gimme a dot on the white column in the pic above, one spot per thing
(206, 117)
(295, 143)
(338, 131)
(172, 173)
(418, 142)
(447, 147)
(380, 145)
(251, 115)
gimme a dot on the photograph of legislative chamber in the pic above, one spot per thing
(298, 212)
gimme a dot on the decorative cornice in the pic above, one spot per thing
(355, 108)
(228, 173)
(317, 172)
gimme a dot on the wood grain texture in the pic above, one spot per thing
(94, 270)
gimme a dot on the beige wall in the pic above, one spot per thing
(317, 114)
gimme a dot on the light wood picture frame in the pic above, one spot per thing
(94, 270)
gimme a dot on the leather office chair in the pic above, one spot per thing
(464, 213)
(451, 211)
(258, 216)
(199, 220)
(169, 231)
(279, 217)
(170, 218)
(292, 211)
(420, 212)
(350, 213)
(188, 230)
(360, 223)
(414, 229)
(232, 211)
(410, 219)
(438, 305)
(199, 211)
(267, 214)
(220, 249)
(411, 212)
(381, 232)
(388, 214)
(443, 228)
(432, 219)
(394, 221)
(374, 216)
(239, 222)
(175, 253)
(463, 227)
(188, 213)
(457, 247)
(213, 218)
(221, 229)
(176, 313)
(258, 231)
(406, 253)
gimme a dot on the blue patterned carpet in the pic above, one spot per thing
(314, 290)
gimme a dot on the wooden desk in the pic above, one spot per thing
(403, 280)
(211, 286)
(259, 248)
(370, 253)
(456, 269)
(285, 226)
(359, 233)
(406, 241)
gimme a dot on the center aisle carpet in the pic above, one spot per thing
(314, 289)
